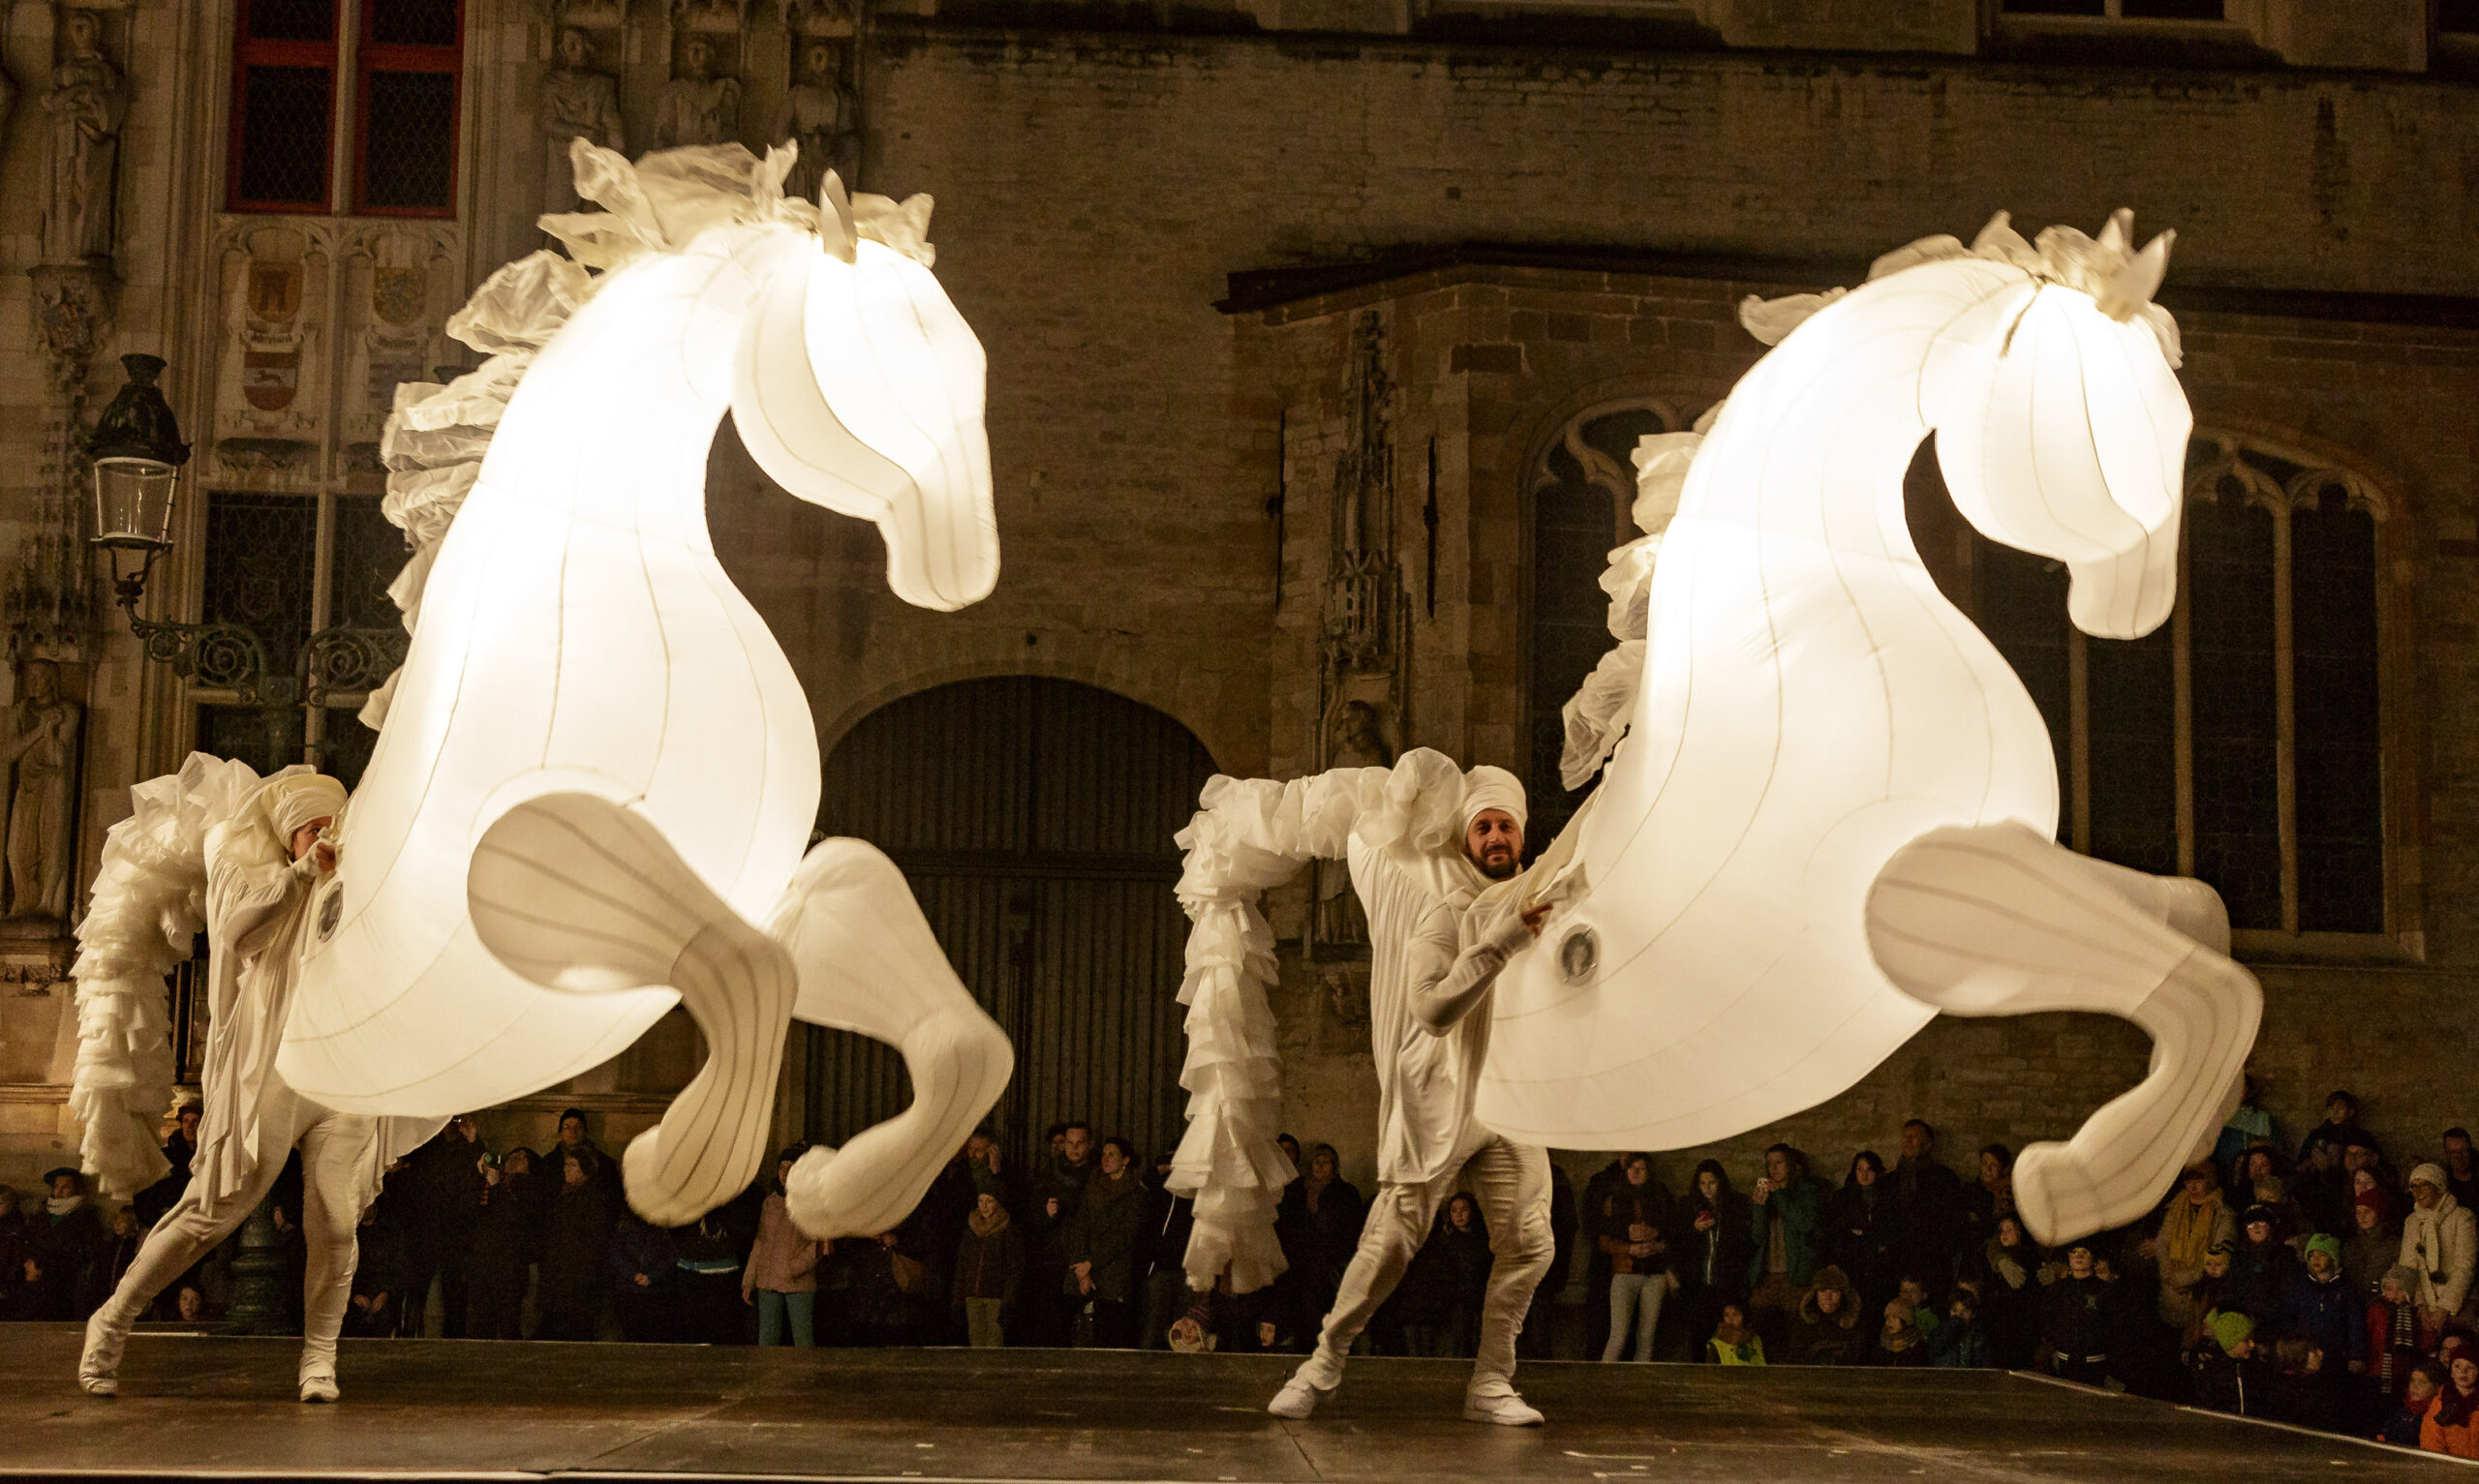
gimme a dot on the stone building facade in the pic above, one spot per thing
(1316, 330)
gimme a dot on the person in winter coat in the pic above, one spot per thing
(2440, 1242)
(378, 1276)
(1170, 1218)
(2196, 1219)
(1961, 1343)
(2450, 1426)
(508, 1241)
(2393, 1333)
(2401, 1424)
(2007, 1270)
(1828, 1332)
(1787, 1207)
(709, 1268)
(2260, 1270)
(2318, 1307)
(780, 1277)
(641, 1267)
(1713, 1247)
(1101, 1247)
(2229, 1375)
(1901, 1341)
(2074, 1330)
(990, 1264)
(64, 1243)
(2372, 1246)
(1324, 1212)
(1989, 1197)
(1632, 1226)
(2303, 1390)
(1733, 1342)
(1859, 1229)
(1925, 1214)
(577, 1230)
(1437, 1306)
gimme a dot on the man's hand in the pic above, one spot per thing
(325, 855)
(34, 1271)
(644, 1282)
(2432, 1319)
(1638, 1231)
(1535, 916)
(1083, 1269)
(1052, 1205)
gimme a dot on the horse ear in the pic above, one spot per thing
(2135, 285)
(835, 219)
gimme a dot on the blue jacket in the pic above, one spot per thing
(2327, 1314)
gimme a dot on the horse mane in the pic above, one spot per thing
(436, 435)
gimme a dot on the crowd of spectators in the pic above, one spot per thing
(2325, 1286)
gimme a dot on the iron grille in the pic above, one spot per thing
(283, 134)
(408, 140)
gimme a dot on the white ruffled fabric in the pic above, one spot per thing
(1252, 834)
(1597, 716)
(149, 903)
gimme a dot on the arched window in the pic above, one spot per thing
(1583, 484)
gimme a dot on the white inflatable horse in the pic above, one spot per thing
(1835, 814)
(595, 740)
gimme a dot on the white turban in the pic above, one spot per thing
(1492, 788)
(299, 799)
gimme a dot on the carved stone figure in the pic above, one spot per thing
(825, 119)
(697, 107)
(578, 102)
(42, 756)
(87, 101)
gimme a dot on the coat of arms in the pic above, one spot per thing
(275, 290)
(399, 295)
(270, 377)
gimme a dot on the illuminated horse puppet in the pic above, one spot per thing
(595, 740)
(1835, 812)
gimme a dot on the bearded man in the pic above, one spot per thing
(1440, 925)
(263, 869)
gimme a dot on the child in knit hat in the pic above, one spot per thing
(2228, 1375)
(2392, 1332)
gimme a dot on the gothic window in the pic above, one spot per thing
(1582, 489)
(291, 82)
(2240, 742)
(287, 567)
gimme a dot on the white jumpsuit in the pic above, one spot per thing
(1435, 952)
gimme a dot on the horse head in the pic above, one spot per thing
(859, 387)
(2061, 428)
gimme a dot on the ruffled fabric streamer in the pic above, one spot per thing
(1250, 836)
(1596, 719)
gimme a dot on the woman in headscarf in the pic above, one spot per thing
(263, 864)
(2373, 1243)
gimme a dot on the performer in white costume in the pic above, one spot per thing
(1441, 924)
(262, 868)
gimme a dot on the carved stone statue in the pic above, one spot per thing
(825, 119)
(697, 107)
(42, 756)
(1358, 740)
(88, 98)
(577, 102)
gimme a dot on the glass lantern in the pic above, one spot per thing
(134, 503)
(136, 453)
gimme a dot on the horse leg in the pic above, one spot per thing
(868, 963)
(577, 892)
(1995, 920)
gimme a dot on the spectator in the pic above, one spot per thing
(2360, 1152)
(1927, 1200)
(2439, 1241)
(782, 1274)
(1787, 1208)
(2303, 1389)
(1733, 1342)
(577, 1230)
(1827, 1331)
(2407, 1414)
(2261, 1269)
(444, 1190)
(1170, 1218)
(1913, 1291)
(1989, 1197)
(2248, 1124)
(377, 1277)
(2461, 1167)
(1426, 1306)
(2196, 1220)
(2006, 1269)
(1101, 1247)
(2373, 1245)
(1901, 1341)
(1462, 1239)
(880, 1307)
(2339, 1127)
(64, 1246)
(1859, 1229)
(2447, 1428)
(643, 1267)
(1961, 1344)
(1632, 1226)
(507, 1240)
(990, 1264)
(1324, 1213)
(2075, 1321)
(2392, 1331)
(2212, 1294)
(2229, 1378)
(119, 1250)
(1057, 1193)
(713, 1254)
(2319, 1307)
(1714, 1262)
(178, 1150)
(2321, 1187)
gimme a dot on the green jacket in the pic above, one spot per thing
(1800, 1204)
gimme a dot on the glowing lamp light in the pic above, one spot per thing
(137, 455)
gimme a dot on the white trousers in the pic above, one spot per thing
(1511, 1182)
(1634, 1304)
(334, 1148)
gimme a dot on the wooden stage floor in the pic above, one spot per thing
(194, 1406)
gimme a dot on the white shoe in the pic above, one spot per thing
(318, 1383)
(99, 1364)
(1297, 1400)
(1505, 1409)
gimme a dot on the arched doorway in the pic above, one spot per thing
(1034, 819)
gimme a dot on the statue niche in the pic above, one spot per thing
(579, 101)
(41, 755)
(823, 117)
(697, 107)
(88, 100)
